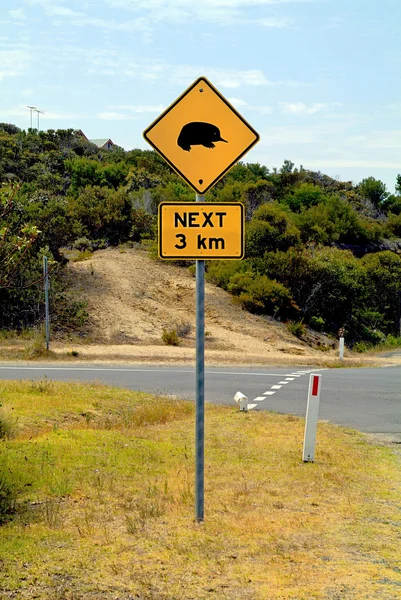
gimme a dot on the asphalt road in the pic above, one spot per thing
(365, 399)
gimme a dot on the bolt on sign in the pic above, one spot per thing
(201, 230)
(201, 135)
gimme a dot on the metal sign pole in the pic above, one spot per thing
(46, 279)
(200, 387)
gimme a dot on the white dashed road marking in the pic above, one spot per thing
(288, 377)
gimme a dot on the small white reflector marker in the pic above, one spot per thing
(243, 401)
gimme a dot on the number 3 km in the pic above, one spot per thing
(183, 244)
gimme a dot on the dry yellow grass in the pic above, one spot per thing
(107, 478)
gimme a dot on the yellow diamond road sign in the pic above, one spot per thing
(201, 135)
(201, 230)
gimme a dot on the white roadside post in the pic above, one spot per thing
(312, 413)
(243, 401)
(341, 343)
(341, 348)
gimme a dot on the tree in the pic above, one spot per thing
(259, 294)
(102, 213)
(287, 167)
(374, 190)
(304, 195)
(335, 221)
(398, 185)
(382, 285)
(15, 239)
(270, 229)
(258, 170)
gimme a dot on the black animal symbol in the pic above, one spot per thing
(199, 134)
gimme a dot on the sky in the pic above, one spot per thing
(319, 80)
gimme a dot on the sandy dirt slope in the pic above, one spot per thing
(132, 298)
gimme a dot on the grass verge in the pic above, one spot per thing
(105, 507)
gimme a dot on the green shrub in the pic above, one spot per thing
(7, 424)
(296, 328)
(317, 323)
(84, 255)
(393, 342)
(304, 195)
(361, 347)
(82, 244)
(170, 337)
(36, 346)
(8, 493)
(220, 272)
(143, 225)
(393, 226)
(259, 294)
(270, 229)
(68, 314)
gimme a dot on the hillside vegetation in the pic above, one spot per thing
(319, 252)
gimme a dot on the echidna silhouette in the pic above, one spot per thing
(199, 134)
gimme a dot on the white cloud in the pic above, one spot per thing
(22, 111)
(221, 11)
(153, 12)
(275, 22)
(15, 112)
(331, 145)
(237, 102)
(299, 108)
(131, 25)
(140, 108)
(378, 140)
(365, 163)
(112, 116)
(17, 14)
(61, 11)
(228, 78)
(113, 63)
(13, 63)
(394, 108)
(283, 136)
(240, 104)
(54, 115)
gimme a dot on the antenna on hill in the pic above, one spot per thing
(38, 113)
(31, 108)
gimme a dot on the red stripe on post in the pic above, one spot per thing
(315, 385)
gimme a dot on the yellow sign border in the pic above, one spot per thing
(195, 205)
(177, 101)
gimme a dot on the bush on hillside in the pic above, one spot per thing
(259, 294)
(219, 272)
(270, 229)
(170, 337)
